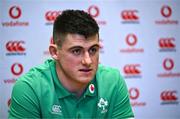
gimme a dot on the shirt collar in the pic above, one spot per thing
(91, 89)
(59, 89)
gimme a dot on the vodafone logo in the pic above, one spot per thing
(15, 12)
(93, 11)
(134, 93)
(130, 15)
(15, 46)
(132, 69)
(166, 11)
(17, 69)
(169, 96)
(168, 64)
(131, 39)
(51, 15)
(91, 88)
(167, 43)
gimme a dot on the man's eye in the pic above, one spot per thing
(92, 51)
(76, 51)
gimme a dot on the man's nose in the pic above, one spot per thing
(87, 59)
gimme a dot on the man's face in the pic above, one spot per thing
(78, 58)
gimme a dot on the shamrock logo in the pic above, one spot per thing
(103, 104)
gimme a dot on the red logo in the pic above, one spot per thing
(166, 43)
(51, 15)
(51, 40)
(168, 96)
(131, 39)
(166, 11)
(132, 69)
(91, 88)
(17, 69)
(93, 11)
(15, 12)
(168, 64)
(134, 93)
(9, 102)
(129, 15)
(15, 46)
(46, 52)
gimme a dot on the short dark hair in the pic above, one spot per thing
(75, 22)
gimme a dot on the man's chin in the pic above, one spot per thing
(85, 80)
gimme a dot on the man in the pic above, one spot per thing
(72, 84)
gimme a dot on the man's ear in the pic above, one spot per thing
(53, 51)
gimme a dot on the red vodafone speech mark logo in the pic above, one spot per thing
(93, 11)
(15, 46)
(131, 39)
(134, 93)
(168, 64)
(168, 96)
(15, 12)
(51, 15)
(166, 11)
(17, 69)
(129, 15)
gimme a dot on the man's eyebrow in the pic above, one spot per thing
(95, 45)
(75, 47)
(80, 47)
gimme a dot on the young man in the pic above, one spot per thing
(72, 84)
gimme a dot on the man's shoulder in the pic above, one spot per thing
(37, 73)
(109, 82)
(108, 74)
(108, 71)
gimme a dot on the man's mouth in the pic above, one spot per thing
(85, 70)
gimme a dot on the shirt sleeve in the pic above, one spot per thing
(122, 108)
(24, 102)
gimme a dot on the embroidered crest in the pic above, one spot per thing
(102, 104)
(56, 109)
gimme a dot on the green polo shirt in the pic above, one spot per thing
(40, 94)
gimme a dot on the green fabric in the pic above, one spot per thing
(39, 94)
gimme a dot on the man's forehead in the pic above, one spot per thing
(79, 40)
(81, 37)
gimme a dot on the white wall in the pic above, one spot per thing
(130, 43)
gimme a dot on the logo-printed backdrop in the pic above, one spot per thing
(140, 38)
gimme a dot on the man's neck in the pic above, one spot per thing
(69, 84)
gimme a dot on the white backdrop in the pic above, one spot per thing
(139, 37)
